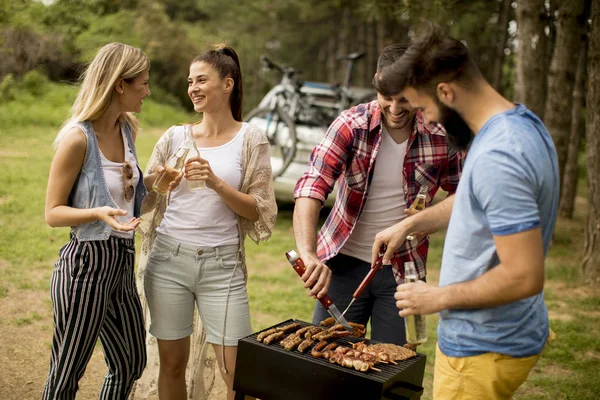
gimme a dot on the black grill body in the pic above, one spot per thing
(269, 372)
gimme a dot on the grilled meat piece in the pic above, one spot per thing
(294, 341)
(342, 349)
(286, 339)
(302, 331)
(327, 322)
(391, 352)
(305, 345)
(360, 346)
(330, 346)
(266, 333)
(285, 329)
(317, 351)
(358, 330)
(332, 335)
(273, 337)
(310, 334)
(289, 327)
(337, 327)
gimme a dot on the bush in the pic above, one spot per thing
(35, 82)
(7, 88)
(35, 101)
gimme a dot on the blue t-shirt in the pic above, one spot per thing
(509, 185)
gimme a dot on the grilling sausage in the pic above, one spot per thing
(273, 337)
(266, 333)
(305, 345)
(289, 328)
(294, 341)
(317, 350)
(312, 332)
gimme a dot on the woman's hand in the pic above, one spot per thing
(110, 216)
(197, 168)
(175, 182)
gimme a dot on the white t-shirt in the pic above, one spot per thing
(116, 185)
(385, 201)
(201, 217)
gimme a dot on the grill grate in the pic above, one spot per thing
(284, 371)
(388, 371)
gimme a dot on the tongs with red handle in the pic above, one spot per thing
(374, 268)
(326, 301)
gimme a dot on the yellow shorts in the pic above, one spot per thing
(488, 376)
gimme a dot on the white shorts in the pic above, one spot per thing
(179, 275)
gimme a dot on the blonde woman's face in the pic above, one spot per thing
(206, 89)
(135, 92)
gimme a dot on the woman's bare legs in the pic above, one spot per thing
(230, 355)
(174, 355)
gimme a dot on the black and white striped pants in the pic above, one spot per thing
(94, 296)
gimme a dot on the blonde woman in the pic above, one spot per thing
(96, 187)
(195, 239)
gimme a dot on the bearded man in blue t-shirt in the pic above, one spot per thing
(493, 320)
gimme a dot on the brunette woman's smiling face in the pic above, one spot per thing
(206, 89)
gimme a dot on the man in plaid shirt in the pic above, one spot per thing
(371, 196)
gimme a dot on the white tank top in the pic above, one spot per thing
(385, 202)
(201, 217)
(116, 186)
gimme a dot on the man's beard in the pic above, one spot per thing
(458, 133)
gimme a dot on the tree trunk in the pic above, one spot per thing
(531, 78)
(380, 36)
(591, 258)
(342, 46)
(502, 35)
(571, 174)
(372, 53)
(322, 59)
(561, 81)
(361, 70)
(331, 61)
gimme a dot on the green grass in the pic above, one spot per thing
(28, 248)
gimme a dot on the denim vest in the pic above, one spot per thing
(90, 190)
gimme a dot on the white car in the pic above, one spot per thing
(290, 157)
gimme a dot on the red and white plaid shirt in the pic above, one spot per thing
(347, 155)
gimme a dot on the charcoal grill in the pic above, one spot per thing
(269, 372)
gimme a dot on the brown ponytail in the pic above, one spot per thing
(226, 62)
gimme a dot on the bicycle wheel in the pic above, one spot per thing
(280, 131)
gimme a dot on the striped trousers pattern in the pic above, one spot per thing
(94, 296)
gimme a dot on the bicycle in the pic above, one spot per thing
(293, 101)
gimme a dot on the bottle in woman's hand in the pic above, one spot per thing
(173, 168)
(195, 184)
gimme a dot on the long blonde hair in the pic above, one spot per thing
(113, 61)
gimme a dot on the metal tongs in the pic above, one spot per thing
(374, 268)
(326, 301)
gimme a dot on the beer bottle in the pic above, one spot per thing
(419, 203)
(173, 168)
(415, 325)
(195, 184)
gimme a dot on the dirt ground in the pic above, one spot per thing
(25, 341)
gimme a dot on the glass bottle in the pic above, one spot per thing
(195, 184)
(173, 168)
(419, 203)
(415, 325)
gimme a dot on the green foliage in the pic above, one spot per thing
(300, 33)
(110, 28)
(7, 88)
(35, 82)
(35, 101)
